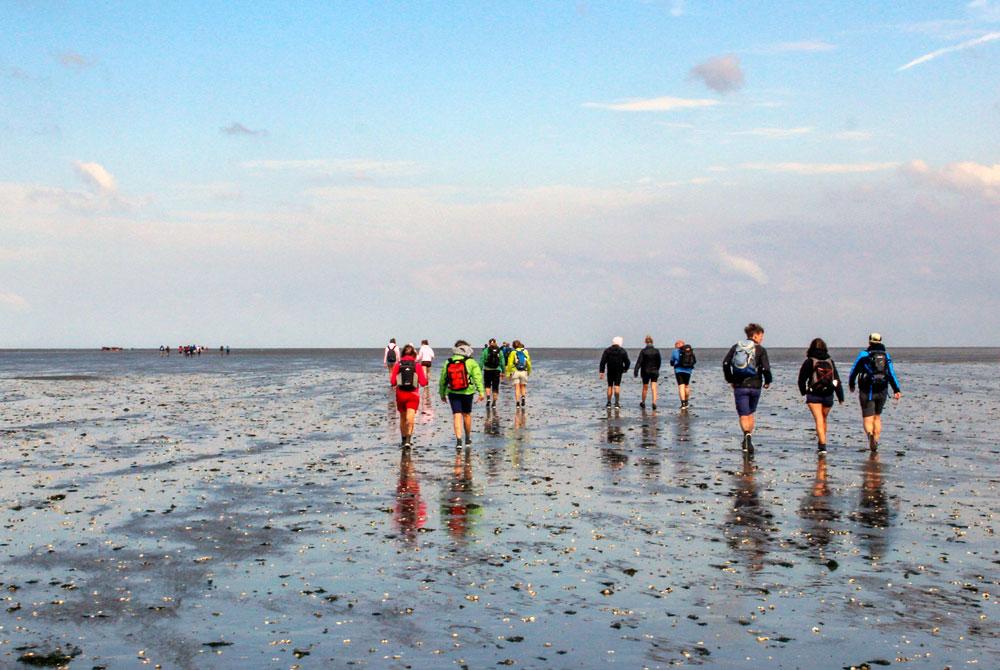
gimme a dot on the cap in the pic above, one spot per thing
(875, 338)
(617, 340)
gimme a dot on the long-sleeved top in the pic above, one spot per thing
(485, 356)
(614, 360)
(648, 361)
(512, 361)
(385, 354)
(421, 375)
(761, 363)
(425, 354)
(806, 372)
(472, 369)
(859, 372)
(675, 362)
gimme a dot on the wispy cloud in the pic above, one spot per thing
(989, 37)
(73, 60)
(965, 177)
(664, 104)
(677, 8)
(742, 266)
(95, 176)
(722, 73)
(775, 133)
(13, 300)
(820, 168)
(355, 167)
(853, 135)
(803, 46)
(237, 128)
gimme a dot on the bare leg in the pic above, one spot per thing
(877, 427)
(411, 415)
(681, 388)
(467, 420)
(869, 423)
(820, 419)
(618, 394)
(457, 419)
(610, 391)
(523, 388)
(655, 397)
(747, 423)
(645, 387)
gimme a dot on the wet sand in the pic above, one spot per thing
(257, 511)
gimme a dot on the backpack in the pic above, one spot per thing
(822, 381)
(493, 358)
(520, 359)
(390, 354)
(877, 370)
(406, 377)
(686, 359)
(456, 374)
(745, 359)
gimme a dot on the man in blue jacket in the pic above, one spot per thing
(873, 372)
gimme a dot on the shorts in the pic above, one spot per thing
(872, 406)
(426, 364)
(650, 377)
(614, 379)
(407, 400)
(519, 376)
(824, 400)
(491, 379)
(683, 378)
(746, 400)
(461, 403)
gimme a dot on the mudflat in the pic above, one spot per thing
(256, 510)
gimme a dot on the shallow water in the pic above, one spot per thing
(255, 510)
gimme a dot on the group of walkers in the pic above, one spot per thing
(746, 367)
(463, 380)
(189, 350)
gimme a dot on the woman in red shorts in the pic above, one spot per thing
(407, 377)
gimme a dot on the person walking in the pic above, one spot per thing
(614, 362)
(390, 355)
(518, 369)
(747, 369)
(492, 363)
(819, 381)
(406, 378)
(461, 380)
(648, 363)
(873, 372)
(683, 360)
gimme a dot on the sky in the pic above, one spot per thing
(324, 174)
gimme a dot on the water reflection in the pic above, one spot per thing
(817, 512)
(460, 506)
(748, 524)
(613, 457)
(517, 437)
(649, 462)
(873, 509)
(411, 510)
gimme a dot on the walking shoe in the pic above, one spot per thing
(748, 443)
(820, 448)
(458, 443)
(872, 444)
(654, 405)
(642, 405)
(468, 440)
(494, 403)
(617, 405)
(608, 405)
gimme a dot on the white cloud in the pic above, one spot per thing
(722, 73)
(820, 168)
(677, 8)
(989, 37)
(663, 104)
(742, 266)
(965, 177)
(853, 135)
(356, 167)
(12, 300)
(807, 46)
(775, 133)
(95, 176)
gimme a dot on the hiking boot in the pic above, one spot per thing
(642, 405)
(654, 405)
(458, 443)
(468, 440)
(608, 405)
(494, 403)
(748, 443)
(820, 448)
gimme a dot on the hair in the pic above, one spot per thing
(461, 343)
(424, 342)
(678, 344)
(753, 328)
(393, 340)
(409, 350)
(493, 340)
(817, 344)
(649, 339)
(517, 344)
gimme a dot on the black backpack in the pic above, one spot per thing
(493, 358)
(390, 355)
(877, 369)
(822, 376)
(686, 359)
(406, 378)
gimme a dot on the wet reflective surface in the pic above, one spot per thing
(257, 511)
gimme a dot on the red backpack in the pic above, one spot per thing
(456, 374)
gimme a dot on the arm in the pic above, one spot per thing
(765, 367)
(527, 360)
(638, 364)
(482, 359)
(694, 359)
(421, 375)
(856, 370)
(626, 364)
(509, 367)
(604, 362)
(727, 365)
(675, 358)
(804, 372)
(893, 380)
(392, 375)
(839, 388)
(443, 382)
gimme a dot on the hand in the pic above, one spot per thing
(480, 398)
(442, 398)
(602, 375)
(851, 388)
(896, 395)
(767, 386)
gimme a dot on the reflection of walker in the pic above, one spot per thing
(411, 510)
(460, 508)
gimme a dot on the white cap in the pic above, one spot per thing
(875, 338)
(617, 340)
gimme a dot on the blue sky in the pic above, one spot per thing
(329, 174)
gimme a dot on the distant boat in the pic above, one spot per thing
(112, 349)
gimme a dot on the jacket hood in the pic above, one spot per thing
(464, 350)
(876, 346)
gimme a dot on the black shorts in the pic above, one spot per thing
(614, 378)
(650, 377)
(824, 400)
(491, 379)
(461, 403)
(872, 406)
(683, 377)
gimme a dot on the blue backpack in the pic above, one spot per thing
(520, 359)
(745, 359)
